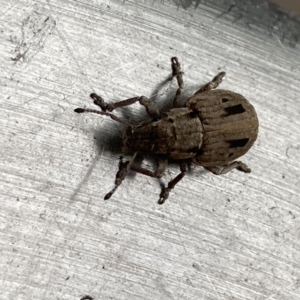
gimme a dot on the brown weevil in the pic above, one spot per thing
(211, 130)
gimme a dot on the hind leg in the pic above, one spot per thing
(212, 84)
(219, 170)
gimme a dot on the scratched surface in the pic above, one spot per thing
(230, 237)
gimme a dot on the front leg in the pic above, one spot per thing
(219, 170)
(149, 104)
(176, 71)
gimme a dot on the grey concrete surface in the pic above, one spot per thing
(234, 236)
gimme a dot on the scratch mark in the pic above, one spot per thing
(227, 11)
(284, 288)
(292, 151)
(87, 176)
(123, 65)
(35, 30)
(280, 43)
(82, 73)
(8, 10)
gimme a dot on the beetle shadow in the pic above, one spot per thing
(164, 89)
(111, 143)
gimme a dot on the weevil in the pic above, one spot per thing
(212, 129)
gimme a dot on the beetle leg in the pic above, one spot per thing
(161, 167)
(149, 104)
(212, 84)
(228, 167)
(178, 73)
(98, 100)
(124, 168)
(165, 191)
(99, 112)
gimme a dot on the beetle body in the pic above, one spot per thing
(212, 129)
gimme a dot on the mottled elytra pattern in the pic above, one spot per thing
(230, 125)
(213, 129)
